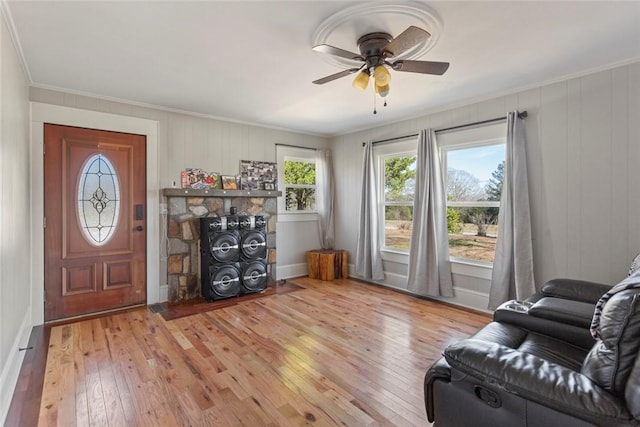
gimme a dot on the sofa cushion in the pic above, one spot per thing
(564, 311)
(576, 290)
(548, 348)
(612, 358)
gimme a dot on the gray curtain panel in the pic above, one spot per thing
(368, 258)
(512, 276)
(325, 198)
(429, 267)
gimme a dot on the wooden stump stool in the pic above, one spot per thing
(327, 264)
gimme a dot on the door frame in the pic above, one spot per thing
(47, 113)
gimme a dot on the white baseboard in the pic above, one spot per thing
(11, 369)
(463, 297)
(468, 298)
(291, 270)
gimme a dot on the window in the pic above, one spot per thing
(474, 161)
(474, 185)
(297, 182)
(299, 185)
(397, 173)
(98, 200)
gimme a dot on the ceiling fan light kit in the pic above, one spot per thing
(376, 48)
(361, 81)
(382, 76)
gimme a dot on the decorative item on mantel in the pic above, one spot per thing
(199, 179)
(258, 175)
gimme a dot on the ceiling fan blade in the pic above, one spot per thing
(424, 67)
(336, 51)
(335, 76)
(405, 41)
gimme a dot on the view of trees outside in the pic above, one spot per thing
(472, 229)
(399, 189)
(300, 185)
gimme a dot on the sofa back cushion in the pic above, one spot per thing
(613, 357)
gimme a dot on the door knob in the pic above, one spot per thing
(139, 228)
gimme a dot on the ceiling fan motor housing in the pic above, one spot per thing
(371, 48)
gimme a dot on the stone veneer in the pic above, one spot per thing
(185, 208)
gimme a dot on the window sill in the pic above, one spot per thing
(463, 267)
(297, 216)
(400, 257)
(478, 269)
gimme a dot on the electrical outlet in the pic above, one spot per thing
(163, 208)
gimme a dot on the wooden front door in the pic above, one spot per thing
(95, 220)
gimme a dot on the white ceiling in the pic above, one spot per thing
(251, 61)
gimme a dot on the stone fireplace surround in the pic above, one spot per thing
(185, 208)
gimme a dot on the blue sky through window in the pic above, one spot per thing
(478, 161)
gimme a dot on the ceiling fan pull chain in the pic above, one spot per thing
(374, 103)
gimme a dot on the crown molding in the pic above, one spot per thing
(8, 19)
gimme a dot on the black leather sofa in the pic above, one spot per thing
(537, 364)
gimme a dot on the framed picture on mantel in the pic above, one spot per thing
(258, 175)
(229, 182)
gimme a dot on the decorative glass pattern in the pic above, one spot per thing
(98, 200)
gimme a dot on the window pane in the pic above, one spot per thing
(98, 200)
(475, 174)
(397, 227)
(300, 182)
(298, 172)
(399, 178)
(300, 199)
(472, 232)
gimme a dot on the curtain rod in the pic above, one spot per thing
(521, 115)
(296, 146)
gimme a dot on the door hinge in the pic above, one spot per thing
(44, 222)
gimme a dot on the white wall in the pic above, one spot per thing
(15, 294)
(583, 141)
(191, 141)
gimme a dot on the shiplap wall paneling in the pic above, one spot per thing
(15, 263)
(595, 174)
(633, 158)
(553, 208)
(619, 208)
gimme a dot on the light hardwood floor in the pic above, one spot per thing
(331, 353)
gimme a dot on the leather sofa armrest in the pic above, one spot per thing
(535, 379)
(565, 311)
(577, 290)
(578, 336)
(440, 370)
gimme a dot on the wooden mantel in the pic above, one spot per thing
(216, 192)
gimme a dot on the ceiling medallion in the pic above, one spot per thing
(344, 27)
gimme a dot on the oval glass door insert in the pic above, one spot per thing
(98, 200)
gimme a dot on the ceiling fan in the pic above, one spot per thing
(375, 49)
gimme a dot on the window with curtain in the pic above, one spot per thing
(297, 180)
(473, 181)
(396, 164)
